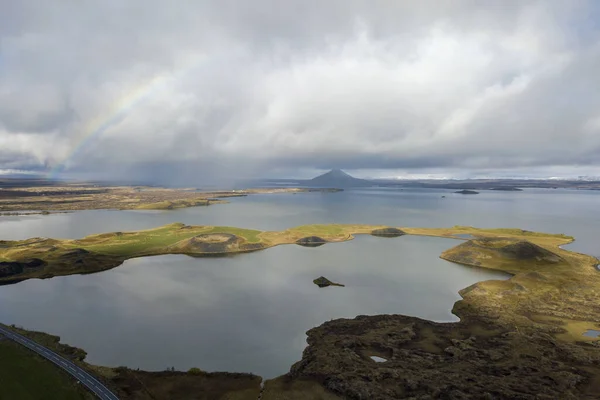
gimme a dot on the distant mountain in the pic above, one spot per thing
(336, 178)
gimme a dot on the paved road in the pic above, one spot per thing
(78, 373)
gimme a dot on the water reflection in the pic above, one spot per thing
(247, 313)
(591, 333)
(555, 211)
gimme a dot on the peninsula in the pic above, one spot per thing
(50, 196)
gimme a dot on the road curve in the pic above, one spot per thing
(72, 369)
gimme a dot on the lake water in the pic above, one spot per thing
(573, 212)
(248, 313)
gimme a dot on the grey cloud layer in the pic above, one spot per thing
(269, 84)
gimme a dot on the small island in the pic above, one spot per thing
(324, 282)
(507, 189)
(465, 191)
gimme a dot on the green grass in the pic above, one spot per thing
(317, 229)
(132, 243)
(26, 376)
(154, 240)
(173, 239)
(513, 231)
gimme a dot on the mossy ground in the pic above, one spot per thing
(557, 298)
(26, 376)
(109, 250)
(175, 385)
(284, 388)
(153, 241)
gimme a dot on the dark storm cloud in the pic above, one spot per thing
(14, 160)
(173, 88)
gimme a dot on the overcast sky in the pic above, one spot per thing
(275, 88)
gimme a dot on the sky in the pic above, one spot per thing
(190, 90)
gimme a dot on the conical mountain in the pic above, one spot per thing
(336, 178)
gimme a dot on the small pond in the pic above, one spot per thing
(464, 236)
(591, 333)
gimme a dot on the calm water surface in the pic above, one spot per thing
(573, 212)
(249, 313)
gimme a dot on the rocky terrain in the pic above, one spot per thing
(517, 339)
(520, 338)
(426, 360)
(324, 282)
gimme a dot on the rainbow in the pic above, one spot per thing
(117, 112)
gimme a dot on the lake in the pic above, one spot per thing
(573, 212)
(248, 313)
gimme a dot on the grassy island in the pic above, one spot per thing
(44, 257)
(517, 338)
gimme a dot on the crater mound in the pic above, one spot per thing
(311, 241)
(215, 243)
(504, 253)
(519, 250)
(388, 232)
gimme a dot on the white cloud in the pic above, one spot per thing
(353, 84)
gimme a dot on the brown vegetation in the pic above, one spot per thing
(93, 197)
(517, 339)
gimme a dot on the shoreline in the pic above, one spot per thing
(550, 296)
(78, 198)
(47, 257)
